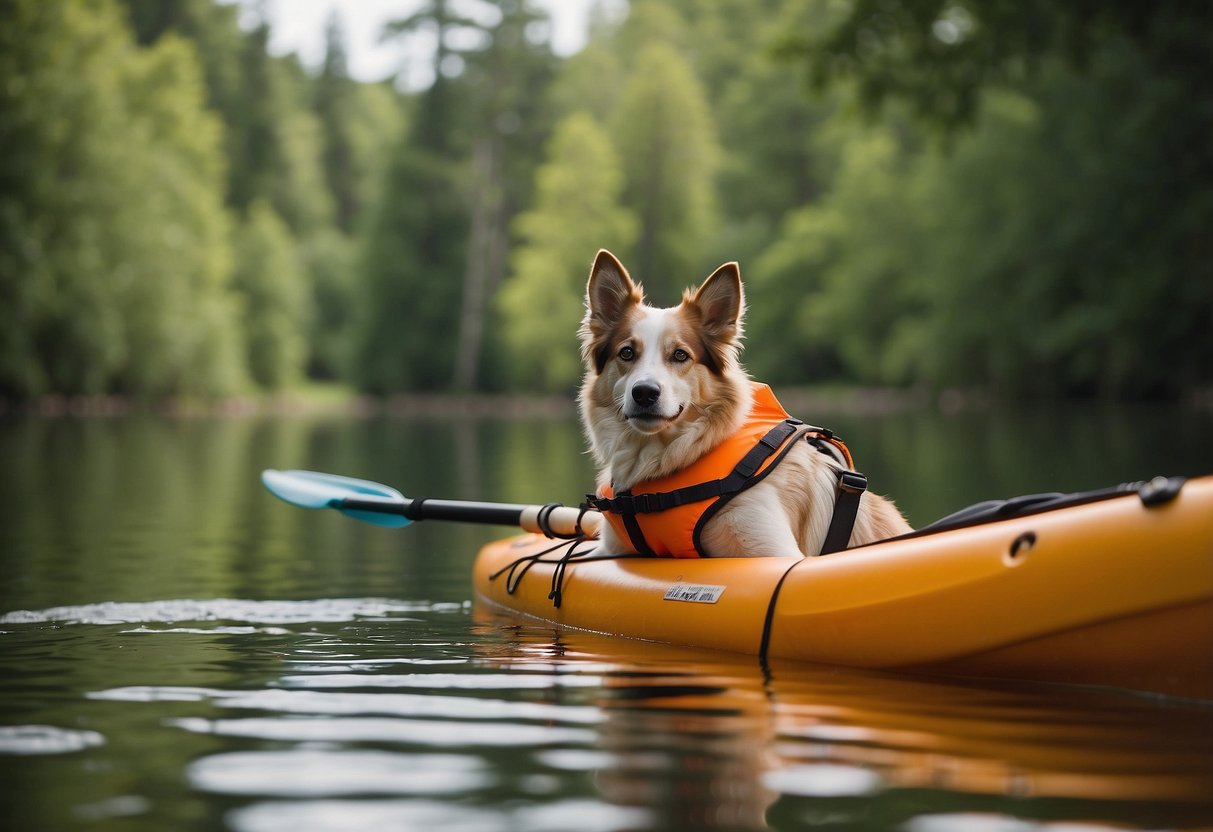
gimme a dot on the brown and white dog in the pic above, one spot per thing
(663, 387)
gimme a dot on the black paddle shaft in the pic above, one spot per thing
(493, 514)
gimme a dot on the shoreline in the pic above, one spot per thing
(323, 402)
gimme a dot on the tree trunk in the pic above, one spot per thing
(482, 249)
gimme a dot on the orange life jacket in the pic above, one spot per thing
(666, 516)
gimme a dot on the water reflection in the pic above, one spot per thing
(723, 743)
(180, 651)
(365, 711)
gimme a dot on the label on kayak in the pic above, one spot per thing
(696, 593)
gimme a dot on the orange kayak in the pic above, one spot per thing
(1114, 591)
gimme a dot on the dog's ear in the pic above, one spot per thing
(610, 291)
(718, 306)
(609, 295)
(720, 302)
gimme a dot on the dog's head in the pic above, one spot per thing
(652, 368)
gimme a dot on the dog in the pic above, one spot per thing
(664, 394)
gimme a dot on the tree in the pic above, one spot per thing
(331, 96)
(408, 298)
(275, 293)
(104, 143)
(577, 211)
(507, 80)
(839, 281)
(1066, 252)
(939, 55)
(436, 116)
(663, 131)
(355, 121)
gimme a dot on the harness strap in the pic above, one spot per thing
(851, 485)
(627, 504)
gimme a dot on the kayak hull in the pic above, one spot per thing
(1113, 592)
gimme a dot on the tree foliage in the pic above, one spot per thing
(1005, 195)
(114, 255)
(268, 277)
(577, 210)
(1062, 251)
(664, 132)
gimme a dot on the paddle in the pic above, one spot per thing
(382, 505)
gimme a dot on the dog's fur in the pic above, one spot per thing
(662, 386)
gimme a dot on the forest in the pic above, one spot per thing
(1006, 196)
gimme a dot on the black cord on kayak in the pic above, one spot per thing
(516, 570)
(557, 591)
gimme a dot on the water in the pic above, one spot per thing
(178, 650)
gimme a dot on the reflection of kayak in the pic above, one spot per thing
(911, 733)
(1115, 591)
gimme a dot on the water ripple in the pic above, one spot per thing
(434, 733)
(317, 773)
(352, 815)
(327, 610)
(45, 739)
(444, 681)
(392, 704)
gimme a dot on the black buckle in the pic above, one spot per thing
(634, 504)
(645, 503)
(852, 482)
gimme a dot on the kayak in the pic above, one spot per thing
(1110, 588)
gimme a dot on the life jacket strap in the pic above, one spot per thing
(851, 486)
(850, 490)
(628, 504)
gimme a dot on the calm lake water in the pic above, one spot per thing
(181, 651)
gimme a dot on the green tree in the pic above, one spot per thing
(838, 283)
(438, 110)
(332, 95)
(589, 81)
(414, 254)
(271, 282)
(407, 305)
(940, 55)
(1066, 252)
(577, 210)
(1063, 270)
(356, 121)
(114, 261)
(664, 132)
(507, 81)
(773, 161)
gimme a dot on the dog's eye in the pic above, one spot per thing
(681, 355)
(626, 353)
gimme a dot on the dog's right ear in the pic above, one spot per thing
(610, 291)
(609, 295)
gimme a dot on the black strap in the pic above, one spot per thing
(516, 570)
(635, 533)
(851, 486)
(628, 505)
(544, 521)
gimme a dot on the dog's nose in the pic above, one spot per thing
(646, 395)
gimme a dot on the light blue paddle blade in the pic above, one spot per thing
(312, 489)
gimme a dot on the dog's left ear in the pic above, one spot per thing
(721, 303)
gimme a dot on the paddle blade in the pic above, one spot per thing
(312, 489)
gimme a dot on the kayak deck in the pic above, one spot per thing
(1114, 592)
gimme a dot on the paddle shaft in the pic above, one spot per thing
(563, 520)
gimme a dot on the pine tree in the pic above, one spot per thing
(577, 210)
(664, 133)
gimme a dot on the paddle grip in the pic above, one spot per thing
(562, 519)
